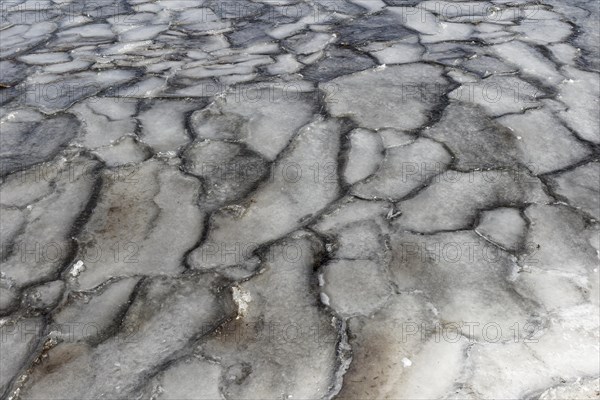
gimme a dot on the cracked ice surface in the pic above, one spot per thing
(310, 199)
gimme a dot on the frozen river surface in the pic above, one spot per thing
(273, 199)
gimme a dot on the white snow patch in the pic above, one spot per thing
(241, 299)
(78, 267)
(324, 299)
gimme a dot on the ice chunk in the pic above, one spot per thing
(9, 297)
(487, 362)
(464, 277)
(564, 53)
(453, 199)
(163, 124)
(72, 66)
(125, 151)
(580, 187)
(213, 123)
(18, 37)
(11, 73)
(559, 261)
(418, 20)
(545, 144)
(201, 21)
(584, 389)
(44, 244)
(554, 289)
(144, 222)
(430, 27)
(476, 140)
(248, 33)
(45, 58)
(189, 379)
(94, 316)
(398, 53)
(486, 66)
(337, 61)
(44, 297)
(23, 188)
(26, 142)
(77, 268)
(12, 220)
(105, 120)
(394, 97)
(421, 381)
(394, 137)
(405, 169)
(503, 226)
(377, 27)
(166, 314)
(573, 332)
(242, 67)
(229, 171)
(548, 357)
(556, 241)
(581, 93)
(271, 351)
(499, 95)
(384, 339)
(543, 31)
(88, 32)
(365, 155)
(304, 181)
(54, 94)
(349, 210)
(355, 287)
(371, 5)
(142, 33)
(284, 64)
(361, 240)
(264, 117)
(450, 53)
(17, 346)
(530, 61)
(307, 43)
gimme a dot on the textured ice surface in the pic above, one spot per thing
(229, 170)
(179, 381)
(254, 349)
(579, 187)
(475, 139)
(355, 286)
(131, 231)
(163, 124)
(303, 181)
(264, 117)
(391, 97)
(503, 226)
(365, 155)
(44, 242)
(143, 337)
(337, 62)
(453, 199)
(33, 140)
(546, 145)
(404, 169)
(299, 199)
